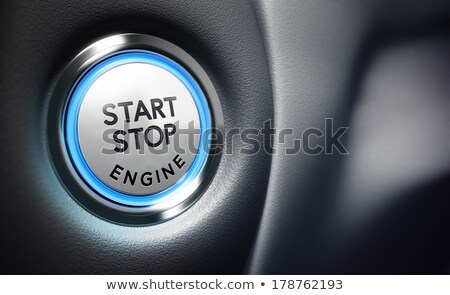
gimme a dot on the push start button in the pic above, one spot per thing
(134, 127)
(138, 126)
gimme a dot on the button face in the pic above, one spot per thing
(135, 129)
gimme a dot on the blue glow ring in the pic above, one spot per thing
(73, 106)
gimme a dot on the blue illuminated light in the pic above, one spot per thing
(70, 123)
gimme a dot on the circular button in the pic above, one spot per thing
(137, 125)
(134, 127)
